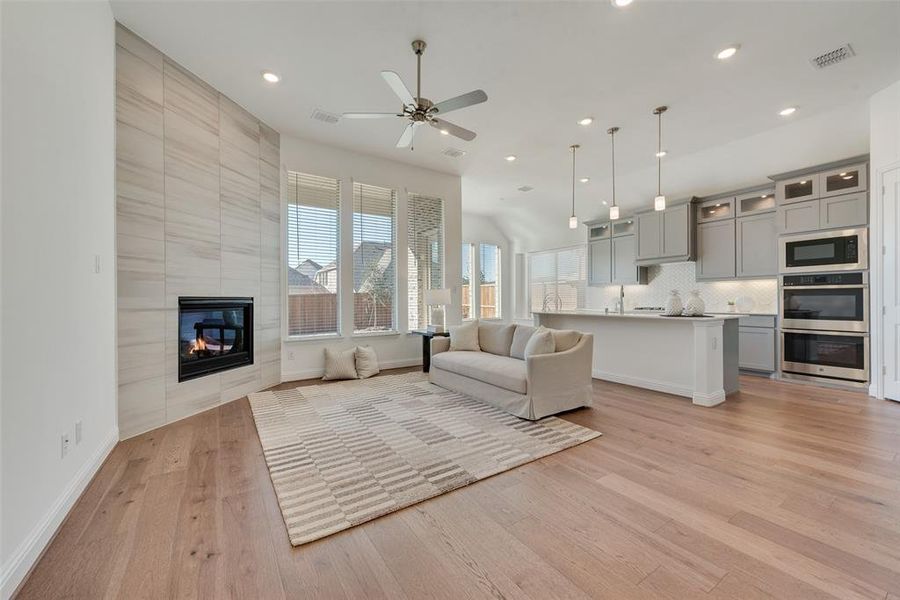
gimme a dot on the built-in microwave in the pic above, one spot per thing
(825, 302)
(842, 250)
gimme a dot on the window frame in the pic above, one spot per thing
(395, 288)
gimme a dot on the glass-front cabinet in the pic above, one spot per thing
(716, 210)
(623, 227)
(755, 202)
(798, 189)
(844, 180)
(598, 231)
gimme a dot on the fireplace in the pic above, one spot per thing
(214, 334)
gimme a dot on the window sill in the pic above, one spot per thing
(368, 334)
(324, 337)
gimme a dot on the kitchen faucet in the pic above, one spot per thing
(620, 303)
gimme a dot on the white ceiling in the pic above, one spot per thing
(544, 65)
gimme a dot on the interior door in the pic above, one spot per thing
(891, 284)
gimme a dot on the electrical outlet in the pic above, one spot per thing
(64, 445)
(77, 432)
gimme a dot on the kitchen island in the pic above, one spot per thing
(696, 357)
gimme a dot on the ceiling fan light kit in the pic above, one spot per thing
(659, 203)
(418, 110)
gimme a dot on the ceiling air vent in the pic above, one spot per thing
(525, 188)
(324, 117)
(833, 57)
(453, 152)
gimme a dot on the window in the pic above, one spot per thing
(313, 233)
(374, 267)
(489, 290)
(468, 259)
(425, 254)
(557, 279)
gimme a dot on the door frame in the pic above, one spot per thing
(876, 264)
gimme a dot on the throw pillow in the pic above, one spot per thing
(495, 338)
(366, 362)
(465, 337)
(565, 339)
(520, 339)
(340, 364)
(541, 342)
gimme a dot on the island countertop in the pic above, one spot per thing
(635, 315)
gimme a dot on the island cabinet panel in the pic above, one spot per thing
(844, 211)
(649, 232)
(756, 348)
(715, 250)
(600, 262)
(624, 270)
(756, 246)
(798, 217)
(677, 222)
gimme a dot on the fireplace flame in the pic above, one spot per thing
(197, 346)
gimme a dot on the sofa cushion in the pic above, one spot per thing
(540, 342)
(495, 338)
(520, 338)
(465, 337)
(501, 371)
(565, 339)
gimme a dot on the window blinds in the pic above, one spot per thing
(425, 256)
(374, 277)
(557, 279)
(489, 294)
(313, 234)
(467, 286)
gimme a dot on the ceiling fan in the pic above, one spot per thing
(418, 110)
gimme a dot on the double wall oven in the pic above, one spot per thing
(825, 324)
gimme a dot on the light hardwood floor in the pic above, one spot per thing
(785, 491)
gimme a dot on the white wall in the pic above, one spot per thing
(58, 317)
(303, 359)
(477, 229)
(884, 154)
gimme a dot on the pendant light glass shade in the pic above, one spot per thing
(614, 209)
(573, 220)
(659, 203)
(613, 213)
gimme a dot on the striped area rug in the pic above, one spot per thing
(344, 453)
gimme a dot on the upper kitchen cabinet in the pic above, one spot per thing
(600, 262)
(843, 180)
(847, 210)
(798, 189)
(666, 236)
(754, 203)
(756, 246)
(624, 269)
(649, 235)
(612, 248)
(598, 231)
(715, 210)
(715, 250)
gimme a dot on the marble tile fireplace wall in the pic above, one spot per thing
(197, 214)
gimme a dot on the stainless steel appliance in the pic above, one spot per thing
(842, 250)
(825, 302)
(836, 355)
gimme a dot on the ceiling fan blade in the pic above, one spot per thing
(406, 137)
(475, 97)
(399, 87)
(452, 129)
(366, 115)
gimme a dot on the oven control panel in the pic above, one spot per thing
(826, 279)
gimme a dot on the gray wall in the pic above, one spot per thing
(198, 214)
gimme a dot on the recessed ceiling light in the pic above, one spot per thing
(511, 158)
(586, 121)
(661, 153)
(726, 53)
(785, 112)
(271, 77)
(444, 132)
(620, 3)
(584, 179)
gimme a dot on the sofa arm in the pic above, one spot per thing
(549, 373)
(439, 344)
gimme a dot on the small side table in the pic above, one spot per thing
(426, 345)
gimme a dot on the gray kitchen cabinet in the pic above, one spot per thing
(716, 210)
(758, 201)
(756, 246)
(677, 224)
(649, 235)
(600, 259)
(843, 180)
(797, 189)
(798, 216)
(716, 250)
(844, 211)
(756, 348)
(624, 254)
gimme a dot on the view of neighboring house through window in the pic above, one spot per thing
(468, 260)
(489, 290)
(313, 225)
(374, 264)
(557, 279)
(425, 254)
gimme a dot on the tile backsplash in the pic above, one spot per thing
(662, 279)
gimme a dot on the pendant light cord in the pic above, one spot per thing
(613, 138)
(658, 157)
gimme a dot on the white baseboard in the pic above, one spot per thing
(318, 372)
(29, 551)
(642, 382)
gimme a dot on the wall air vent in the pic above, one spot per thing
(525, 188)
(453, 152)
(324, 117)
(832, 57)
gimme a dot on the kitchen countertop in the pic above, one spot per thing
(635, 315)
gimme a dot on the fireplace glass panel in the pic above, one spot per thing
(214, 334)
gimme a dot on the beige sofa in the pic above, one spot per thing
(532, 388)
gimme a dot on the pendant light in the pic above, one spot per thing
(659, 203)
(614, 209)
(573, 220)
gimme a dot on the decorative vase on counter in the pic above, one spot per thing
(673, 304)
(695, 306)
